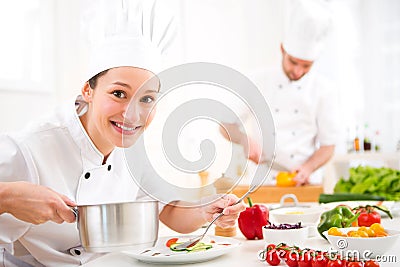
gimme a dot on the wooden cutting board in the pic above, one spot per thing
(268, 194)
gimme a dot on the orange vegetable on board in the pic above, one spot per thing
(285, 179)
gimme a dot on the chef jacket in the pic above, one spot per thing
(305, 115)
(60, 155)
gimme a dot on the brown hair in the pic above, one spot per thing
(93, 81)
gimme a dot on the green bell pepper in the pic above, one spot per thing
(340, 217)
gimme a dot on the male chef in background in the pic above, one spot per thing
(302, 103)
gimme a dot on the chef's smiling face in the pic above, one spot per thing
(119, 106)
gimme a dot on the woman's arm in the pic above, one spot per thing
(34, 203)
(182, 218)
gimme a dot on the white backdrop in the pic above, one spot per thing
(363, 60)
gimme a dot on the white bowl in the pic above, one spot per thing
(367, 247)
(296, 214)
(290, 237)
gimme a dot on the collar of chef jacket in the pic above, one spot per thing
(100, 183)
(303, 82)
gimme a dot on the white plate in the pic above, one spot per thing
(392, 206)
(164, 255)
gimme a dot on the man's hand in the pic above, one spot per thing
(35, 203)
(303, 175)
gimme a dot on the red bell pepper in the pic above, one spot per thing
(252, 220)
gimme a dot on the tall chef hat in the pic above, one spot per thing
(132, 33)
(308, 27)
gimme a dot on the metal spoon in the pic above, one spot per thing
(193, 241)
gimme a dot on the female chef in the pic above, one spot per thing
(76, 156)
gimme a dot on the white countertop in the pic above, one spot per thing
(244, 255)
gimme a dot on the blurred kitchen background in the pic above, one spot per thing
(42, 57)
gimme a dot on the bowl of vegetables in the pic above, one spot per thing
(364, 242)
(290, 234)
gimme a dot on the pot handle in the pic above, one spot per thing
(75, 211)
(289, 196)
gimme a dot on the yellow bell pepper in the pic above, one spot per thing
(285, 179)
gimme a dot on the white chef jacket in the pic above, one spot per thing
(305, 115)
(60, 155)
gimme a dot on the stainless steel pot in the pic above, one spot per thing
(118, 226)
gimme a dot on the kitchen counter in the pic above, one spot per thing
(245, 255)
(271, 193)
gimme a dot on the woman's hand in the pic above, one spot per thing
(225, 205)
(35, 203)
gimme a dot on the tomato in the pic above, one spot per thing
(368, 218)
(171, 241)
(335, 263)
(378, 229)
(283, 249)
(270, 247)
(273, 257)
(305, 259)
(354, 264)
(319, 260)
(292, 258)
(335, 231)
(371, 263)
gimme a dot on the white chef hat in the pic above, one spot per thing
(127, 33)
(308, 27)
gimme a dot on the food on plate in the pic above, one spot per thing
(252, 220)
(196, 248)
(375, 230)
(285, 179)
(384, 182)
(294, 256)
(172, 243)
(341, 216)
(369, 215)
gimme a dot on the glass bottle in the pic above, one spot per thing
(377, 145)
(356, 141)
(367, 140)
